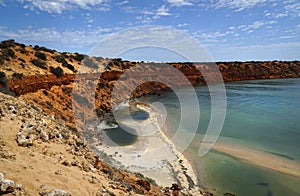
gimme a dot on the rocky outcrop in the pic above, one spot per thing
(47, 158)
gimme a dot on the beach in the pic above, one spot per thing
(153, 155)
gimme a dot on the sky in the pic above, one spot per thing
(230, 30)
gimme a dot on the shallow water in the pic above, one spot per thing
(262, 115)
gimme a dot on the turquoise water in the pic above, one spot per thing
(262, 115)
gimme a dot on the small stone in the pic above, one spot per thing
(57, 192)
(65, 163)
(58, 172)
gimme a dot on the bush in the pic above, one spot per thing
(57, 71)
(69, 66)
(40, 55)
(39, 63)
(78, 57)
(1, 60)
(45, 92)
(47, 50)
(22, 60)
(7, 53)
(3, 78)
(59, 58)
(141, 176)
(7, 43)
(67, 91)
(17, 75)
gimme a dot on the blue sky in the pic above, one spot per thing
(229, 29)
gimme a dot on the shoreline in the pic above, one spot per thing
(154, 156)
(259, 158)
(189, 176)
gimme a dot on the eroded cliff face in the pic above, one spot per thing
(50, 83)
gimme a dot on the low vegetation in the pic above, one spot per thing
(17, 75)
(39, 63)
(58, 71)
(3, 78)
(139, 175)
(78, 57)
(40, 55)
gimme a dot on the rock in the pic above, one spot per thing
(24, 139)
(57, 192)
(7, 186)
(44, 136)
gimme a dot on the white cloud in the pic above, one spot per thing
(154, 14)
(293, 8)
(122, 2)
(162, 11)
(67, 40)
(255, 25)
(58, 6)
(182, 25)
(180, 3)
(2, 3)
(287, 37)
(238, 5)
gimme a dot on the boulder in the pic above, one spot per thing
(7, 186)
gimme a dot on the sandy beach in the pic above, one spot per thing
(260, 158)
(153, 155)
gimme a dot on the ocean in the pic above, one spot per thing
(262, 115)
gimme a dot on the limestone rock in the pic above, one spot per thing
(25, 139)
(57, 192)
(7, 186)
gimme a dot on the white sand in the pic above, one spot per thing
(153, 155)
(260, 158)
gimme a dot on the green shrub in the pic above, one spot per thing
(22, 60)
(45, 92)
(141, 176)
(8, 53)
(59, 58)
(7, 43)
(39, 63)
(58, 71)
(78, 57)
(40, 55)
(1, 60)
(69, 66)
(17, 75)
(3, 78)
(67, 90)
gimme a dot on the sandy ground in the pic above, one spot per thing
(59, 162)
(153, 155)
(260, 158)
(39, 168)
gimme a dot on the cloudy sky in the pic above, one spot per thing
(229, 29)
